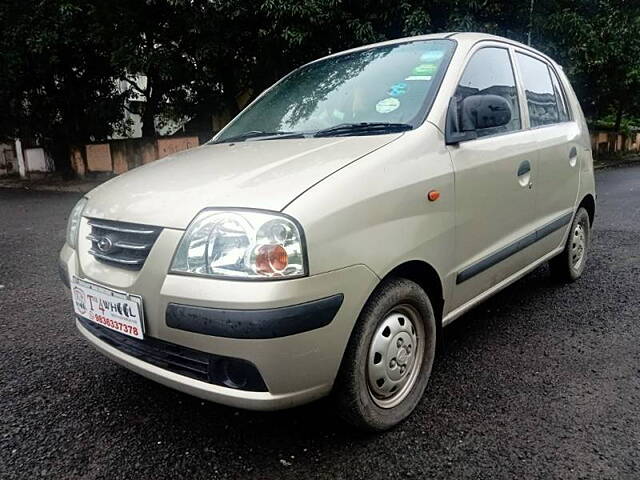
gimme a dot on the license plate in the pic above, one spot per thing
(115, 310)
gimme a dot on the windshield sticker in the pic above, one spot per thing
(338, 114)
(425, 69)
(431, 56)
(419, 77)
(387, 105)
(398, 89)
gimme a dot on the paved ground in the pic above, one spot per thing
(543, 381)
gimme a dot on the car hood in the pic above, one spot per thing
(254, 174)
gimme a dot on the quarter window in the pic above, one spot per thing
(544, 100)
(563, 110)
(489, 72)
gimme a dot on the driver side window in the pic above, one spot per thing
(489, 72)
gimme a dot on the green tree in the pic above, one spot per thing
(148, 47)
(56, 80)
(599, 43)
(61, 60)
(240, 48)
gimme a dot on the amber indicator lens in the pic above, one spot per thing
(433, 195)
(271, 259)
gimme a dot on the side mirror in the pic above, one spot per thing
(476, 112)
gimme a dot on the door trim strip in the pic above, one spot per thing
(513, 248)
(458, 312)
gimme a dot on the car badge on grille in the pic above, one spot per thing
(105, 245)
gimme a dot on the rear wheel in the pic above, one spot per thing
(569, 265)
(389, 357)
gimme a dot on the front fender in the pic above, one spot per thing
(376, 212)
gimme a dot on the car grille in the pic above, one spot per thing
(202, 366)
(184, 361)
(121, 244)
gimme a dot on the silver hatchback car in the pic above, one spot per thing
(322, 240)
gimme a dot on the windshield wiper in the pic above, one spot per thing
(260, 135)
(363, 128)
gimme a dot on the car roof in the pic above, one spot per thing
(474, 37)
(467, 39)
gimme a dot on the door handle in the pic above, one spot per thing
(524, 174)
(573, 156)
(524, 168)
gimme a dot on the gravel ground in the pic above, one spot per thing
(542, 381)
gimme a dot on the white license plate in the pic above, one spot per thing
(117, 311)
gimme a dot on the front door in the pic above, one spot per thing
(495, 178)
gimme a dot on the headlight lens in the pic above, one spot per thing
(73, 224)
(241, 244)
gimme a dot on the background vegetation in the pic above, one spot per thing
(61, 60)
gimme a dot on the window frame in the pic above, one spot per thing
(563, 93)
(551, 71)
(512, 49)
(503, 46)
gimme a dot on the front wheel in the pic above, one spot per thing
(389, 357)
(569, 265)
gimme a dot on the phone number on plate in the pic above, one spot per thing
(114, 324)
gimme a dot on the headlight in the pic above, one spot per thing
(73, 224)
(241, 244)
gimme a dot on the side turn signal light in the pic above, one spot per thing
(433, 195)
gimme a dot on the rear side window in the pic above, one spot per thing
(489, 72)
(544, 99)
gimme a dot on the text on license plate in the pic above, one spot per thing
(114, 310)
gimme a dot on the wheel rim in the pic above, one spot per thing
(578, 245)
(395, 356)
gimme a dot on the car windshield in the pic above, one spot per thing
(377, 87)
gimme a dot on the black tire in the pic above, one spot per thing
(352, 394)
(564, 267)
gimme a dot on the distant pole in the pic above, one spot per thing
(530, 22)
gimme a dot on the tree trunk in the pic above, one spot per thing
(148, 118)
(60, 151)
(619, 113)
(229, 95)
(151, 106)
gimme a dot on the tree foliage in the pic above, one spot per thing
(61, 60)
(599, 43)
(55, 75)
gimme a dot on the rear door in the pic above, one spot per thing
(558, 137)
(495, 176)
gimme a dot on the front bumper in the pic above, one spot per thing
(296, 366)
(206, 391)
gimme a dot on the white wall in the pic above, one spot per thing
(37, 161)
